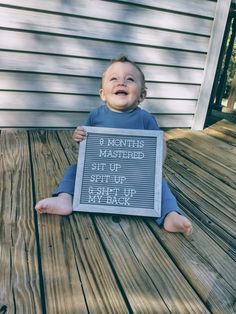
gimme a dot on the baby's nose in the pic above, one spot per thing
(121, 82)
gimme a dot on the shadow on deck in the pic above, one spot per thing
(87, 263)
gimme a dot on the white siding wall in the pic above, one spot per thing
(52, 54)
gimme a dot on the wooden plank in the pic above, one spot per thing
(214, 49)
(200, 209)
(143, 255)
(145, 270)
(86, 28)
(19, 275)
(70, 147)
(70, 243)
(208, 186)
(223, 130)
(99, 285)
(214, 199)
(205, 224)
(82, 103)
(206, 152)
(63, 292)
(131, 236)
(86, 86)
(203, 8)
(51, 64)
(87, 48)
(117, 12)
(208, 145)
(90, 253)
(208, 269)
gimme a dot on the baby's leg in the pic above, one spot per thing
(58, 205)
(171, 219)
(62, 200)
(67, 183)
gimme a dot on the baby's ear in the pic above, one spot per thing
(143, 95)
(102, 95)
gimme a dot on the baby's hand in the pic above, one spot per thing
(79, 134)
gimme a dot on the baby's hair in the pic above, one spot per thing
(123, 58)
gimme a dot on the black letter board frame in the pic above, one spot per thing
(119, 171)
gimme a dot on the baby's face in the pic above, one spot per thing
(122, 88)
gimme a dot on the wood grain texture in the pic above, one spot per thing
(62, 286)
(206, 152)
(103, 295)
(209, 200)
(19, 275)
(70, 243)
(223, 130)
(203, 264)
(202, 193)
(115, 264)
(141, 291)
(208, 179)
(102, 292)
(134, 253)
(137, 255)
(170, 283)
(207, 226)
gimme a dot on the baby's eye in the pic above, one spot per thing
(113, 78)
(130, 79)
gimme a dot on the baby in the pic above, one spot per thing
(122, 90)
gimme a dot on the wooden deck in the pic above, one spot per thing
(87, 263)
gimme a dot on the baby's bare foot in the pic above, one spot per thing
(59, 205)
(177, 223)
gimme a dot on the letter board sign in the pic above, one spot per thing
(119, 171)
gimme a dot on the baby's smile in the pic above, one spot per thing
(121, 92)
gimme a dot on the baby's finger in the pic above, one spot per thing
(79, 134)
